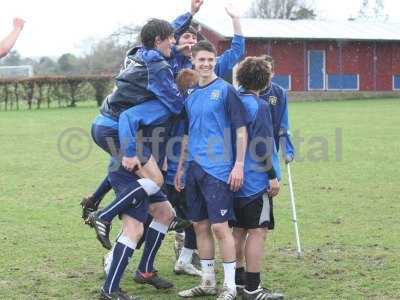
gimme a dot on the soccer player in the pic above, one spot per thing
(115, 130)
(180, 24)
(9, 41)
(224, 64)
(215, 116)
(277, 98)
(253, 212)
(147, 75)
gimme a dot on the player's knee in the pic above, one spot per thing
(159, 180)
(132, 228)
(201, 228)
(162, 212)
(259, 233)
(221, 230)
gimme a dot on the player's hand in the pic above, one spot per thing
(274, 188)
(196, 4)
(186, 79)
(18, 23)
(231, 10)
(236, 176)
(131, 163)
(178, 180)
(289, 158)
(183, 47)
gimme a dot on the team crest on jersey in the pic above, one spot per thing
(273, 100)
(215, 94)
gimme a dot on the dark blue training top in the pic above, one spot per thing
(276, 96)
(260, 149)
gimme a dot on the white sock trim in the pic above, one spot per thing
(124, 240)
(159, 227)
(149, 186)
(207, 266)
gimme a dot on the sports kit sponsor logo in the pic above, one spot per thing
(215, 94)
(273, 100)
(223, 212)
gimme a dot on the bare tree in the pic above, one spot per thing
(376, 13)
(281, 9)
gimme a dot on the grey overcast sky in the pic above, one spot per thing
(54, 27)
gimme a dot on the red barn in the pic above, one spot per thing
(320, 55)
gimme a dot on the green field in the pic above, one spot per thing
(348, 207)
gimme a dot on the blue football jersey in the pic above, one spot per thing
(260, 149)
(214, 112)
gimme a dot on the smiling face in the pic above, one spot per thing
(189, 39)
(204, 63)
(165, 46)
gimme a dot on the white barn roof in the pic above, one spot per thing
(307, 29)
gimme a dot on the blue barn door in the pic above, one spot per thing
(316, 70)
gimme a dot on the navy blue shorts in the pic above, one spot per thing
(157, 198)
(107, 139)
(120, 179)
(207, 197)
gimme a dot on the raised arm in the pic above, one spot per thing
(9, 41)
(182, 23)
(232, 56)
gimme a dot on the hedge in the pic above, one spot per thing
(62, 90)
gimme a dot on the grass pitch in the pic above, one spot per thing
(347, 190)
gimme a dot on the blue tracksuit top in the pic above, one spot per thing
(276, 96)
(261, 146)
(225, 63)
(214, 112)
(146, 75)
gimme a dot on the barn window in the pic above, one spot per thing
(350, 82)
(284, 81)
(396, 82)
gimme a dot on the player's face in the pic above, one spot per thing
(204, 63)
(188, 39)
(165, 46)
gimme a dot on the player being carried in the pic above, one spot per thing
(135, 176)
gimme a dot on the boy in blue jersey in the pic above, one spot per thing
(225, 62)
(216, 120)
(115, 130)
(277, 98)
(253, 212)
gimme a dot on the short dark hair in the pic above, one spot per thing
(191, 30)
(269, 59)
(203, 46)
(254, 73)
(154, 28)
